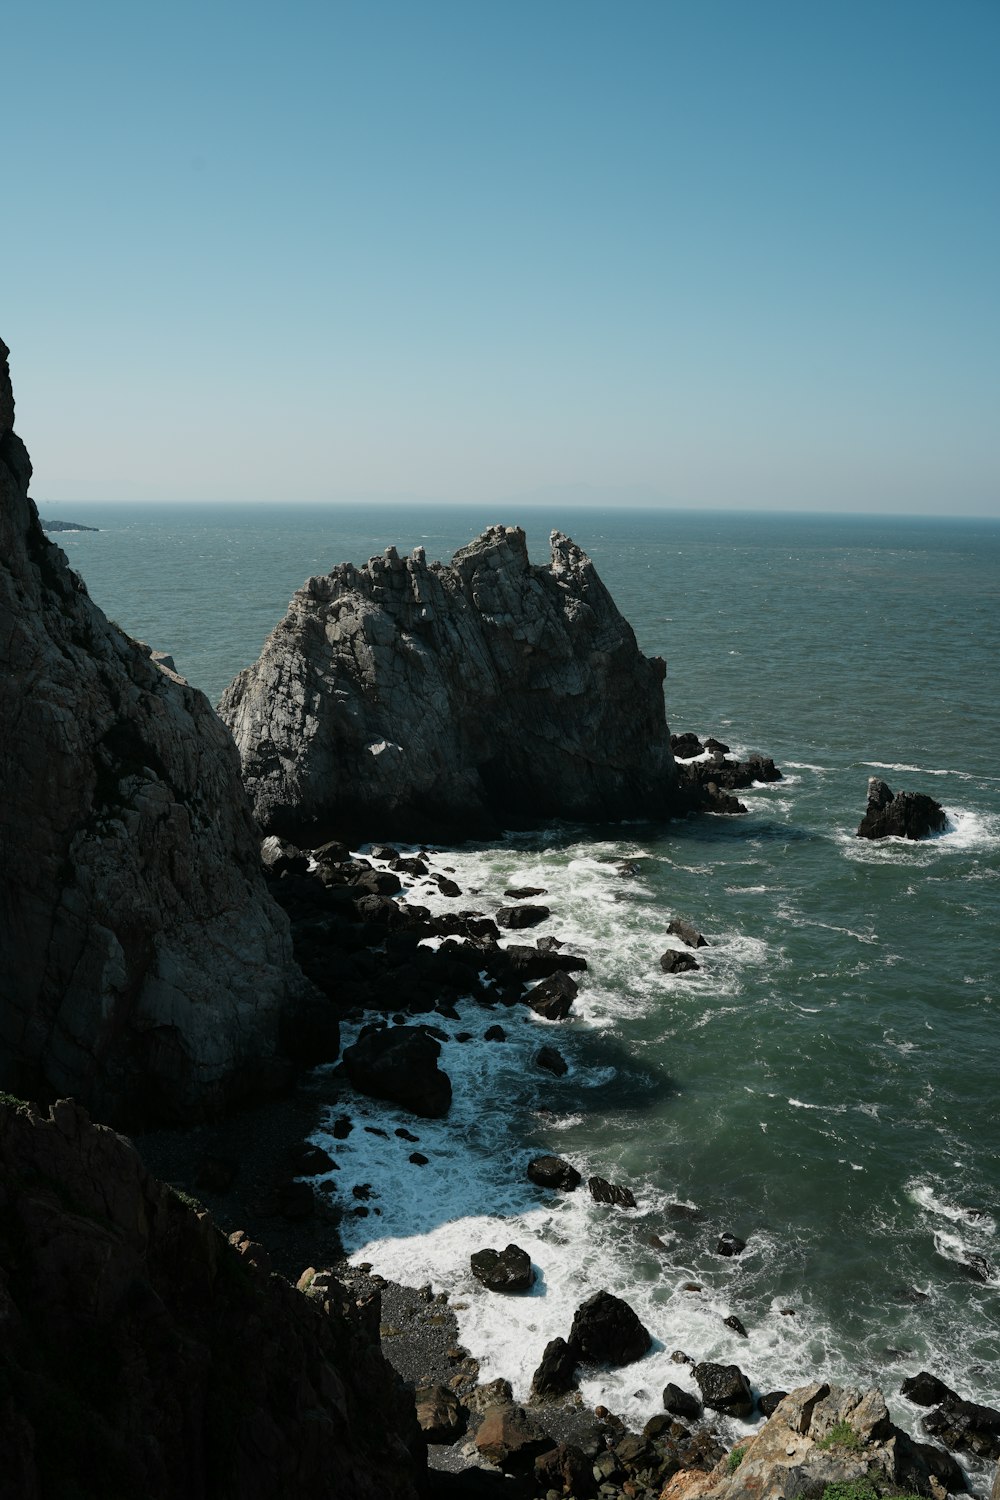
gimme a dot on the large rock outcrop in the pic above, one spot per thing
(142, 1353)
(902, 815)
(408, 697)
(144, 968)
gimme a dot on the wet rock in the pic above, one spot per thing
(685, 746)
(770, 1402)
(734, 1323)
(522, 916)
(687, 932)
(685, 1211)
(507, 1270)
(927, 1390)
(730, 1244)
(553, 997)
(494, 1034)
(400, 1064)
(556, 1374)
(681, 1403)
(525, 892)
(676, 961)
(553, 1172)
(418, 1159)
(966, 1427)
(551, 1061)
(725, 1388)
(565, 1470)
(906, 815)
(603, 1191)
(606, 1330)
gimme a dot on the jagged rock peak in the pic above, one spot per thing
(413, 697)
(143, 966)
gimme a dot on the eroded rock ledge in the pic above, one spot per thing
(408, 698)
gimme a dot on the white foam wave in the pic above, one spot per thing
(924, 1194)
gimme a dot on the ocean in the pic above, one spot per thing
(825, 1085)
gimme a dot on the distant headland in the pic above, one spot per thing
(65, 526)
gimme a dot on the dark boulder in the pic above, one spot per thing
(552, 1061)
(730, 1244)
(607, 1331)
(687, 932)
(525, 892)
(927, 1390)
(725, 1388)
(553, 997)
(716, 746)
(400, 1064)
(685, 746)
(736, 1325)
(682, 1403)
(676, 961)
(556, 1374)
(770, 1402)
(566, 1471)
(503, 1270)
(603, 1191)
(494, 1034)
(906, 815)
(553, 1172)
(522, 916)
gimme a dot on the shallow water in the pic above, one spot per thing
(825, 1084)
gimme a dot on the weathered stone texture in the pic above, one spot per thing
(412, 697)
(143, 966)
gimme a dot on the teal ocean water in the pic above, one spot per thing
(825, 1086)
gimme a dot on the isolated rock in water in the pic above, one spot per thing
(681, 1402)
(553, 997)
(687, 932)
(412, 696)
(603, 1191)
(676, 961)
(399, 1063)
(607, 1331)
(144, 1355)
(904, 815)
(144, 968)
(730, 1244)
(552, 1171)
(503, 1270)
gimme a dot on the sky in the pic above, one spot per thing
(711, 253)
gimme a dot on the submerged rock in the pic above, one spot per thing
(904, 815)
(144, 968)
(416, 696)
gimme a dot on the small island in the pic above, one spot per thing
(65, 526)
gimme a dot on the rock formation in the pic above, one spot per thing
(143, 966)
(825, 1435)
(144, 1354)
(415, 698)
(904, 815)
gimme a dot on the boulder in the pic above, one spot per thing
(730, 1244)
(724, 1388)
(768, 1403)
(926, 1390)
(144, 967)
(507, 1270)
(905, 815)
(685, 746)
(522, 916)
(440, 1414)
(676, 961)
(687, 932)
(556, 1374)
(565, 1470)
(425, 697)
(511, 1439)
(551, 1060)
(681, 1403)
(553, 1172)
(966, 1427)
(736, 1325)
(603, 1191)
(399, 1063)
(553, 997)
(607, 1331)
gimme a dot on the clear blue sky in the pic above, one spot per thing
(693, 252)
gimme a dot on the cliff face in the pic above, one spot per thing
(143, 966)
(406, 698)
(144, 1354)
